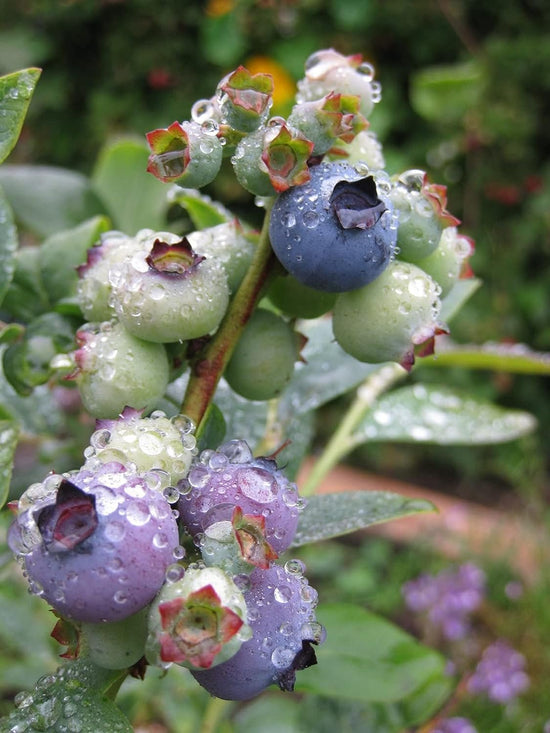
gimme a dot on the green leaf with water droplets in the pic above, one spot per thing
(332, 515)
(440, 416)
(8, 245)
(326, 372)
(74, 698)
(15, 95)
(366, 658)
(9, 434)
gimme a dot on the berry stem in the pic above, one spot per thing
(342, 440)
(211, 362)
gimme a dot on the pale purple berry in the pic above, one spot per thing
(230, 477)
(95, 544)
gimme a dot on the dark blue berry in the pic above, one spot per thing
(337, 232)
(281, 612)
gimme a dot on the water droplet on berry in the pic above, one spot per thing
(120, 597)
(115, 531)
(310, 219)
(258, 484)
(171, 494)
(282, 657)
(138, 513)
(282, 593)
(295, 567)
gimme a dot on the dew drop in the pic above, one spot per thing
(282, 657)
(282, 593)
(138, 513)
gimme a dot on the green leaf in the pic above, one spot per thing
(133, 198)
(326, 373)
(447, 93)
(332, 515)
(15, 95)
(11, 332)
(46, 199)
(9, 434)
(61, 253)
(368, 659)
(202, 211)
(26, 296)
(514, 358)
(457, 296)
(222, 39)
(440, 416)
(212, 428)
(74, 696)
(269, 714)
(8, 245)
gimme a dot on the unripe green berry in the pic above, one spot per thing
(393, 318)
(115, 369)
(263, 360)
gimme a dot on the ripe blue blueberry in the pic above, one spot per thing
(95, 545)
(281, 613)
(337, 232)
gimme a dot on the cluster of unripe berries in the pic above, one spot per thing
(102, 546)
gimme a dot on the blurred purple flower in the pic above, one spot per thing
(500, 673)
(447, 598)
(454, 725)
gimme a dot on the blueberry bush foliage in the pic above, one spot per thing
(165, 373)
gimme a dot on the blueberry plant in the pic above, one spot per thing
(197, 350)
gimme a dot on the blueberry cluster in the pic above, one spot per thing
(448, 599)
(102, 546)
(500, 673)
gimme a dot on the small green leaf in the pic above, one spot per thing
(11, 332)
(513, 358)
(202, 211)
(61, 253)
(9, 434)
(446, 93)
(26, 296)
(133, 198)
(8, 245)
(368, 659)
(326, 372)
(457, 296)
(440, 416)
(16, 91)
(222, 39)
(26, 363)
(332, 515)
(46, 199)
(212, 429)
